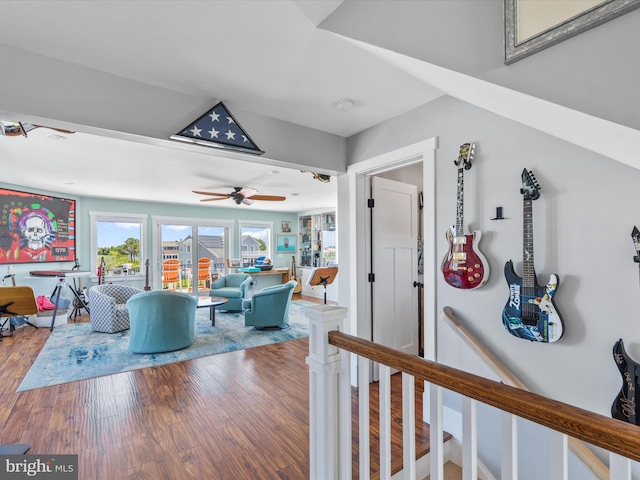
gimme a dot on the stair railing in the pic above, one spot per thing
(578, 448)
(330, 440)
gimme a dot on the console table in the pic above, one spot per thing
(284, 272)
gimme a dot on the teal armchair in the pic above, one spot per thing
(161, 321)
(234, 287)
(269, 308)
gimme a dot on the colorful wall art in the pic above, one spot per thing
(36, 228)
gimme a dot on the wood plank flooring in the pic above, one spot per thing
(236, 415)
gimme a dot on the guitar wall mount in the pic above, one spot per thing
(498, 214)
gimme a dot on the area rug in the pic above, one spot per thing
(75, 352)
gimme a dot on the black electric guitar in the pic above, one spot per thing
(635, 235)
(464, 266)
(530, 312)
(624, 406)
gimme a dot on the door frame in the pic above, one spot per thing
(353, 228)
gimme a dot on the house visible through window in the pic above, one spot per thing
(255, 240)
(189, 241)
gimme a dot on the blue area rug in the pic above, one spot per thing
(75, 352)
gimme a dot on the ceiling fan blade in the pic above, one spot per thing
(226, 195)
(214, 199)
(247, 192)
(271, 198)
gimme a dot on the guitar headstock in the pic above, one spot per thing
(465, 155)
(530, 186)
(635, 235)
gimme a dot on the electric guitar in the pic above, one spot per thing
(102, 271)
(464, 266)
(624, 406)
(147, 287)
(298, 287)
(635, 235)
(79, 300)
(530, 312)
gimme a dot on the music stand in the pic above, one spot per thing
(323, 276)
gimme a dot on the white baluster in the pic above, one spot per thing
(408, 426)
(619, 467)
(385, 422)
(364, 442)
(436, 434)
(469, 439)
(509, 442)
(558, 455)
(346, 431)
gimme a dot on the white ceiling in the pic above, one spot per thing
(262, 56)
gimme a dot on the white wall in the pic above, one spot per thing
(582, 225)
(592, 72)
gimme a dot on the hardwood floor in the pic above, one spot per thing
(236, 415)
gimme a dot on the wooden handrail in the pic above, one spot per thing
(613, 435)
(579, 449)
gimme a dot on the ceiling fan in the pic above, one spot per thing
(240, 195)
(15, 129)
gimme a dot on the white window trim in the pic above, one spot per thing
(95, 217)
(257, 224)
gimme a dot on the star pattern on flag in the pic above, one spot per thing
(218, 128)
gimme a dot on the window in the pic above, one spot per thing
(119, 238)
(255, 241)
(196, 238)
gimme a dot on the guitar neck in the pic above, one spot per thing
(147, 287)
(460, 204)
(528, 270)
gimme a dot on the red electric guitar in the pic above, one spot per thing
(464, 266)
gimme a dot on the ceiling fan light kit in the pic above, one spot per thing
(240, 195)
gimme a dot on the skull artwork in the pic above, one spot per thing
(35, 231)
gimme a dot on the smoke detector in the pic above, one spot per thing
(344, 104)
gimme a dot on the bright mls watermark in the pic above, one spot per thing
(50, 467)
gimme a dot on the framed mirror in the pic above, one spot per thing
(533, 25)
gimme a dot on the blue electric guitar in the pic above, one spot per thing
(530, 312)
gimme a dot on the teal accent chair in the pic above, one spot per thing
(161, 321)
(234, 287)
(269, 308)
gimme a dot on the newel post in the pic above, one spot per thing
(324, 377)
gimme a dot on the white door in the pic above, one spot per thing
(394, 263)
